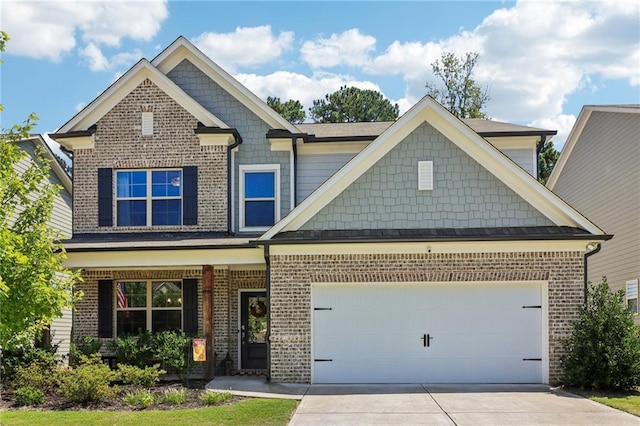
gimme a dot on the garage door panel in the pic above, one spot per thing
(479, 333)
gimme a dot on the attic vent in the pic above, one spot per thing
(147, 123)
(425, 175)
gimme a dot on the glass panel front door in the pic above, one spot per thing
(253, 329)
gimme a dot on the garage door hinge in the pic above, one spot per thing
(323, 360)
(322, 309)
(532, 307)
(532, 359)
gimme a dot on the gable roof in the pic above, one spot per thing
(430, 111)
(576, 133)
(124, 85)
(182, 49)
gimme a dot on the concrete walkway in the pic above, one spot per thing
(459, 405)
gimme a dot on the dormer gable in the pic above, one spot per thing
(181, 49)
(79, 131)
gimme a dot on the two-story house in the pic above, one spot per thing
(422, 250)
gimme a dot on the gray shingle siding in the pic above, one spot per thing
(465, 194)
(255, 146)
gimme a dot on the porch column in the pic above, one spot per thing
(207, 319)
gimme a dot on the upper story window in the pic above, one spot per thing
(149, 197)
(259, 196)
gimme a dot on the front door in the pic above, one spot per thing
(253, 329)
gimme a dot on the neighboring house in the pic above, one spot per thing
(598, 173)
(60, 330)
(413, 251)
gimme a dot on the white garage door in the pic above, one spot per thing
(427, 333)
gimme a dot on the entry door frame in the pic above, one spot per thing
(239, 321)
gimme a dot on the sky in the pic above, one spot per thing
(540, 60)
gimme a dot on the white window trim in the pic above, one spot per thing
(258, 168)
(149, 300)
(149, 198)
(626, 293)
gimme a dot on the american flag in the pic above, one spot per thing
(123, 302)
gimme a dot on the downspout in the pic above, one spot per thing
(294, 144)
(238, 141)
(586, 256)
(543, 140)
(267, 261)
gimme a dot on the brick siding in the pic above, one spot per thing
(119, 144)
(292, 276)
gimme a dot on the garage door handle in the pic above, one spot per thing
(322, 360)
(426, 339)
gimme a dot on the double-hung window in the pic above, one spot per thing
(259, 196)
(152, 305)
(149, 197)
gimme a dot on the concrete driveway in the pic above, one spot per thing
(451, 405)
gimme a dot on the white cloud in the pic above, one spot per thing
(563, 123)
(50, 30)
(246, 46)
(349, 48)
(94, 57)
(533, 55)
(288, 85)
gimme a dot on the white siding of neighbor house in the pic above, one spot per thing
(61, 218)
(601, 179)
(524, 157)
(314, 169)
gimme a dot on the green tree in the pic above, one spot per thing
(350, 105)
(34, 287)
(458, 91)
(291, 110)
(546, 161)
(603, 352)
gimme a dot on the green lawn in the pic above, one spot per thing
(628, 401)
(247, 412)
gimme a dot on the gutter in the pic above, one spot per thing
(586, 257)
(378, 240)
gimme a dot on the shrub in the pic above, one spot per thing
(23, 356)
(34, 376)
(603, 352)
(142, 399)
(27, 395)
(173, 397)
(89, 382)
(133, 350)
(148, 376)
(213, 398)
(86, 346)
(173, 349)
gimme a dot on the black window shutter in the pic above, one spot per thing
(190, 305)
(105, 197)
(105, 308)
(190, 195)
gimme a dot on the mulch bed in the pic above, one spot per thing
(53, 401)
